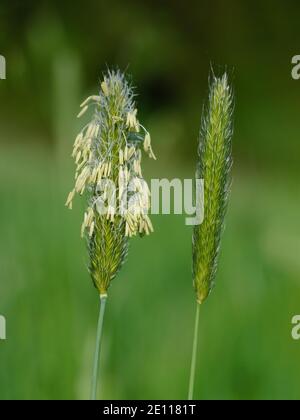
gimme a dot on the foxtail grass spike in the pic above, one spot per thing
(108, 154)
(214, 167)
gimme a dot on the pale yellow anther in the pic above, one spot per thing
(77, 144)
(125, 154)
(151, 154)
(70, 199)
(90, 217)
(78, 156)
(82, 178)
(109, 169)
(89, 99)
(89, 131)
(92, 131)
(82, 112)
(149, 223)
(121, 157)
(94, 175)
(126, 175)
(85, 102)
(147, 142)
(83, 226)
(132, 121)
(105, 171)
(92, 227)
(100, 172)
(139, 168)
(104, 88)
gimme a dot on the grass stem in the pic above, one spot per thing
(194, 355)
(98, 347)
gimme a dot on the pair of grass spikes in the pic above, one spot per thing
(109, 148)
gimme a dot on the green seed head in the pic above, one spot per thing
(214, 166)
(108, 153)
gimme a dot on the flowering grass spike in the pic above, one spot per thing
(108, 154)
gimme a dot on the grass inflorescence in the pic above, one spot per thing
(108, 154)
(214, 167)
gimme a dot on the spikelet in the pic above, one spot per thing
(214, 166)
(109, 148)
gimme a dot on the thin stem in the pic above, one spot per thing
(98, 347)
(194, 355)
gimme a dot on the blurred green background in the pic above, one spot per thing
(55, 54)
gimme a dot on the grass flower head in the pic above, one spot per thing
(108, 155)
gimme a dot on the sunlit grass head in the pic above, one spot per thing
(109, 148)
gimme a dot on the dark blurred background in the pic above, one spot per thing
(56, 52)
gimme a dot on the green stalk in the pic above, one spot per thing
(103, 299)
(194, 355)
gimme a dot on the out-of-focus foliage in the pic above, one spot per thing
(169, 47)
(55, 52)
